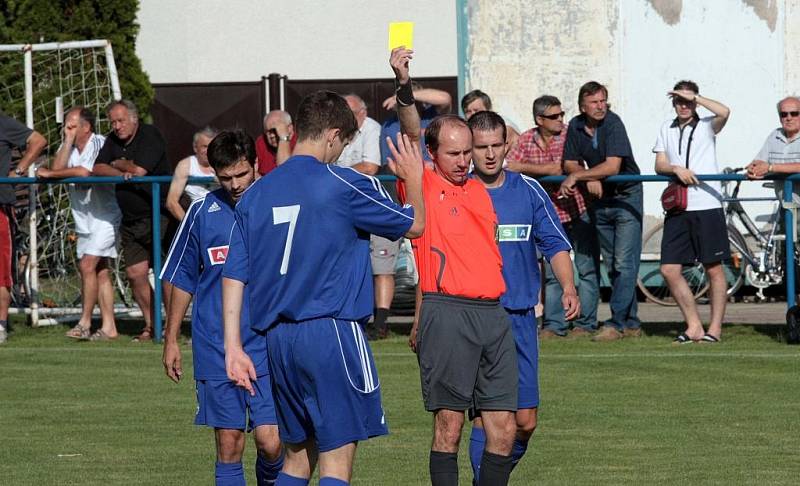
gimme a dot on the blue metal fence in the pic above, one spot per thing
(157, 181)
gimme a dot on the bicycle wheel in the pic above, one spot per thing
(652, 283)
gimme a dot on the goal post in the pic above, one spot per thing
(56, 75)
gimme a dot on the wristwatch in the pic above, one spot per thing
(19, 171)
(284, 138)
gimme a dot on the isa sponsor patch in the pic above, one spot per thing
(218, 254)
(514, 232)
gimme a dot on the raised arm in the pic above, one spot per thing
(406, 108)
(720, 111)
(406, 162)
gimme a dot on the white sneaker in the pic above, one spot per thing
(3, 335)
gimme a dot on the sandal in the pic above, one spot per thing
(79, 332)
(145, 336)
(709, 339)
(99, 335)
(682, 338)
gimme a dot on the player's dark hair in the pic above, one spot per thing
(84, 114)
(324, 110)
(589, 89)
(436, 125)
(473, 95)
(229, 147)
(486, 121)
(687, 85)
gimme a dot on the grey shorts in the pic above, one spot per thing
(383, 254)
(466, 352)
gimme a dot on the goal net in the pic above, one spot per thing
(38, 83)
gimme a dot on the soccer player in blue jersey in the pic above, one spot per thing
(194, 267)
(526, 221)
(301, 247)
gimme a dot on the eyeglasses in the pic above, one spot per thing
(785, 114)
(554, 116)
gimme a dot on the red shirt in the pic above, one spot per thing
(458, 254)
(531, 150)
(266, 154)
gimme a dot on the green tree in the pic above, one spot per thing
(34, 21)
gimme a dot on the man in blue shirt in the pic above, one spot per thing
(597, 137)
(526, 221)
(301, 247)
(194, 268)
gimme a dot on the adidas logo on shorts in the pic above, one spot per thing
(214, 207)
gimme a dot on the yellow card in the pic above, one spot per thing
(401, 34)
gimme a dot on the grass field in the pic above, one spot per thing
(631, 412)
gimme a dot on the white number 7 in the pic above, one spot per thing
(286, 214)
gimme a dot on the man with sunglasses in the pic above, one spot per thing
(539, 152)
(597, 147)
(781, 151)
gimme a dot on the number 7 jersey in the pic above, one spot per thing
(301, 241)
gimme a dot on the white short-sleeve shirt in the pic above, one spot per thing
(778, 149)
(365, 146)
(94, 206)
(698, 140)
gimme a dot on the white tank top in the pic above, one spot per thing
(196, 191)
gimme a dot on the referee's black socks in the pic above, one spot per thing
(495, 469)
(444, 468)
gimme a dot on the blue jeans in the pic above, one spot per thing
(619, 231)
(583, 238)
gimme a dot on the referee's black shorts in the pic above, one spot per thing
(695, 237)
(466, 352)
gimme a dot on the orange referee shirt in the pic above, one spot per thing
(457, 254)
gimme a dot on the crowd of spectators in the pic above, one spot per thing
(599, 217)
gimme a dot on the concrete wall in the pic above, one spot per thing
(741, 52)
(183, 41)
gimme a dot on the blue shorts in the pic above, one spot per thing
(223, 405)
(523, 326)
(325, 383)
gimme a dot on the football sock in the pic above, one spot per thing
(267, 472)
(229, 474)
(381, 315)
(326, 481)
(444, 468)
(517, 451)
(477, 442)
(495, 469)
(286, 480)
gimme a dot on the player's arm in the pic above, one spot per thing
(176, 188)
(561, 264)
(406, 162)
(178, 305)
(238, 365)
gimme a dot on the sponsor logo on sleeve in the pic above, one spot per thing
(514, 232)
(218, 254)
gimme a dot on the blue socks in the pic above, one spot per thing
(517, 451)
(286, 480)
(267, 472)
(326, 481)
(229, 474)
(477, 442)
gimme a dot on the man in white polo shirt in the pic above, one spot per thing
(686, 146)
(780, 153)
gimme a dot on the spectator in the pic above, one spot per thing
(539, 152)
(475, 101)
(430, 104)
(277, 142)
(136, 149)
(12, 134)
(780, 153)
(96, 216)
(193, 166)
(597, 137)
(686, 146)
(363, 155)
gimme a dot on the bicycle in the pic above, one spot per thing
(760, 262)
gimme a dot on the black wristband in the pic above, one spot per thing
(404, 94)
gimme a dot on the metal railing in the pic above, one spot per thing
(157, 181)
